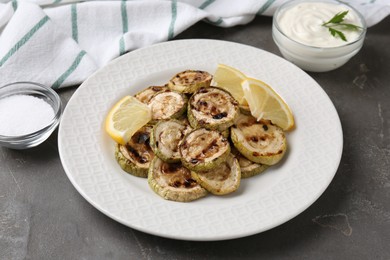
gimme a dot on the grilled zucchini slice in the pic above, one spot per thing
(146, 95)
(166, 138)
(226, 133)
(259, 141)
(203, 149)
(136, 155)
(189, 81)
(244, 109)
(248, 168)
(212, 108)
(167, 104)
(222, 180)
(173, 181)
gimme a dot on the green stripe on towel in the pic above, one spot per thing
(24, 39)
(171, 30)
(125, 27)
(75, 31)
(14, 5)
(122, 48)
(69, 71)
(265, 6)
(206, 3)
(124, 17)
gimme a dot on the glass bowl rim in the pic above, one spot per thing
(53, 122)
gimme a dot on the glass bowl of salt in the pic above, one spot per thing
(29, 113)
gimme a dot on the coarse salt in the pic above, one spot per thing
(23, 114)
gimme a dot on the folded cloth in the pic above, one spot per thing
(60, 43)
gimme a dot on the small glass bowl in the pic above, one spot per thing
(310, 58)
(39, 91)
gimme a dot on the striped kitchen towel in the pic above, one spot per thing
(60, 43)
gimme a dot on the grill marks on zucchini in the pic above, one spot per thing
(184, 151)
(136, 155)
(190, 81)
(204, 149)
(173, 181)
(178, 176)
(146, 95)
(166, 138)
(248, 168)
(167, 104)
(259, 141)
(222, 180)
(212, 108)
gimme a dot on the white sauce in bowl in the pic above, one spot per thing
(303, 23)
(298, 31)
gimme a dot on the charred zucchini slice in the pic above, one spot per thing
(203, 149)
(136, 155)
(166, 138)
(259, 141)
(173, 181)
(190, 81)
(248, 168)
(244, 109)
(222, 180)
(212, 108)
(167, 105)
(226, 133)
(146, 95)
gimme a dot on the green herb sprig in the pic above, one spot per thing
(336, 24)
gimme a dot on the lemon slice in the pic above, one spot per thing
(265, 103)
(230, 79)
(125, 118)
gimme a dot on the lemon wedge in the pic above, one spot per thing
(265, 103)
(125, 118)
(230, 79)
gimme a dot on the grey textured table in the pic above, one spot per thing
(42, 216)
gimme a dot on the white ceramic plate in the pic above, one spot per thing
(261, 203)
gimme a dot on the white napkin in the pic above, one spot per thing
(60, 43)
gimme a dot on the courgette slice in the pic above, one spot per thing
(212, 108)
(244, 109)
(166, 138)
(226, 133)
(222, 180)
(167, 104)
(189, 81)
(146, 95)
(173, 181)
(203, 149)
(136, 155)
(259, 141)
(248, 168)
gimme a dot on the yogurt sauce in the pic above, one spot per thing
(303, 23)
